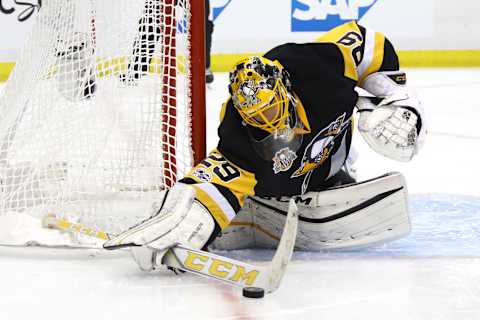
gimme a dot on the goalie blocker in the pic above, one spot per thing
(350, 216)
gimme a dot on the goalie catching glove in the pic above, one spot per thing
(179, 219)
(394, 127)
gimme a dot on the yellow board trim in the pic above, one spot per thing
(408, 59)
(5, 70)
(226, 62)
(104, 67)
(439, 58)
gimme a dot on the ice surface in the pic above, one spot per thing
(434, 273)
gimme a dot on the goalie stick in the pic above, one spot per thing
(211, 265)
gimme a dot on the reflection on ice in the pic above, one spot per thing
(442, 226)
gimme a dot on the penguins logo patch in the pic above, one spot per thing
(283, 160)
(320, 147)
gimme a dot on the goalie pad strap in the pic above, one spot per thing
(335, 216)
(385, 83)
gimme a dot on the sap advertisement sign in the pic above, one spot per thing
(323, 15)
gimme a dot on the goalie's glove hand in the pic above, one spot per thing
(179, 219)
(394, 127)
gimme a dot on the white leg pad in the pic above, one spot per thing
(357, 215)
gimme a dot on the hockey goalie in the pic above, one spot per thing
(286, 132)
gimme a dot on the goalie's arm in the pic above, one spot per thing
(192, 212)
(221, 186)
(394, 124)
(363, 50)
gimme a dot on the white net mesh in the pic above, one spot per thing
(95, 120)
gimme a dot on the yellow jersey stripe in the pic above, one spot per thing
(218, 206)
(376, 59)
(368, 52)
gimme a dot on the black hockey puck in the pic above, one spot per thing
(253, 292)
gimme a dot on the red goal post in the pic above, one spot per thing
(197, 58)
(197, 82)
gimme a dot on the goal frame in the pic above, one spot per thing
(197, 86)
(170, 70)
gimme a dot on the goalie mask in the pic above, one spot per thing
(261, 93)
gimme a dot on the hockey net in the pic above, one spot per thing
(95, 120)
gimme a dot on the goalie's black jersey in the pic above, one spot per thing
(324, 75)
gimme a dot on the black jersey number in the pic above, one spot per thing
(221, 167)
(350, 38)
(353, 39)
